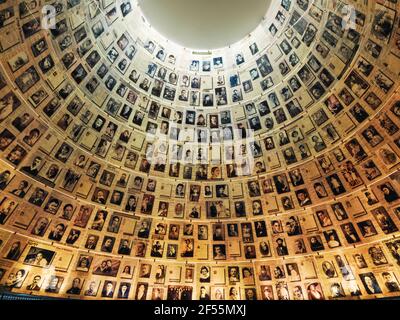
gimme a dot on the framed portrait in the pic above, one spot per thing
(7, 207)
(54, 284)
(370, 283)
(383, 23)
(16, 278)
(92, 287)
(106, 266)
(14, 248)
(83, 216)
(27, 79)
(128, 271)
(18, 61)
(40, 257)
(189, 274)
(10, 103)
(84, 262)
(6, 138)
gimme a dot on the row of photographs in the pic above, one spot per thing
(336, 273)
(334, 23)
(339, 222)
(223, 206)
(387, 194)
(319, 141)
(263, 68)
(290, 157)
(229, 143)
(297, 181)
(80, 71)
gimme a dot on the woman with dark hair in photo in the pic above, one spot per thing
(131, 204)
(388, 192)
(316, 243)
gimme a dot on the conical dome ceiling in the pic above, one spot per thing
(157, 150)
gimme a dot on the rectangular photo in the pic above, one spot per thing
(39, 257)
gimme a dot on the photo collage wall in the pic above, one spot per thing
(134, 168)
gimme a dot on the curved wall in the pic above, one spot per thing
(131, 167)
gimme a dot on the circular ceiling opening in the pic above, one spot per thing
(204, 24)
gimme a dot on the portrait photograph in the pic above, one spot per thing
(40, 257)
(106, 267)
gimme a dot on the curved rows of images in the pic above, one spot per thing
(40, 268)
(197, 137)
(120, 155)
(50, 171)
(92, 153)
(357, 218)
